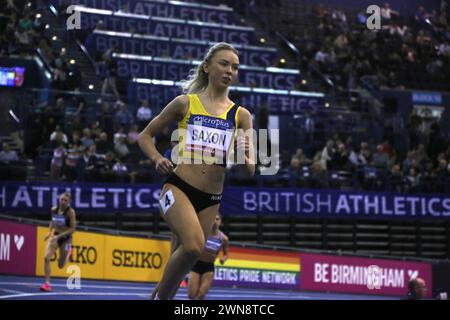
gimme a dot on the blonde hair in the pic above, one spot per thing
(66, 194)
(197, 80)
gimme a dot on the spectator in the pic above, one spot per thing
(133, 135)
(110, 65)
(294, 166)
(408, 161)
(6, 33)
(7, 154)
(76, 124)
(321, 56)
(355, 157)
(119, 134)
(339, 159)
(60, 73)
(86, 139)
(309, 128)
(380, 159)
(96, 131)
(103, 145)
(301, 157)
(442, 169)
(38, 26)
(123, 117)
(365, 154)
(444, 50)
(341, 44)
(120, 171)
(25, 23)
(412, 180)
(417, 289)
(421, 14)
(10, 7)
(86, 164)
(442, 19)
(121, 147)
(58, 136)
(60, 110)
(326, 155)
(144, 114)
(73, 153)
(80, 103)
(45, 46)
(23, 40)
(396, 178)
(57, 162)
(387, 12)
(105, 117)
(423, 39)
(387, 148)
(340, 18)
(420, 155)
(105, 166)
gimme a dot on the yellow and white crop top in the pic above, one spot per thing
(204, 137)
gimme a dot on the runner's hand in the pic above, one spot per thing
(164, 166)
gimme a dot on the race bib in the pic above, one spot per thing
(209, 138)
(167, 201)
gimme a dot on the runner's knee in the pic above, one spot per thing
(195, 247)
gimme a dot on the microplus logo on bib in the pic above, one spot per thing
(211, 122)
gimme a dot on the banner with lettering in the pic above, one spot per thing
(100, 41)
(133, 66)
(17, 248)
(361, 275)
(112, 198)
(254, 268)
(168, 9)
(164, 27)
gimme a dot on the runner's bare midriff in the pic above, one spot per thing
(205, 177)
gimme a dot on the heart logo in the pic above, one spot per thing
(413, 274)
(19, 240)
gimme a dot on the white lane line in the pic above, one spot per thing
(24, 295)
(255, 296)
(82, 285)
(215, 290)
(11, 291)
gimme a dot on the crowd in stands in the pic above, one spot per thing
(22, 33)
(341, 46)
(376, 165)
(94, 146)
(21, 29)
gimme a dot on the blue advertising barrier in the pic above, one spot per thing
(110, 198)
(134, 66)
(288, 102)
(165, 9)
(99, 41)
(164, 27)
